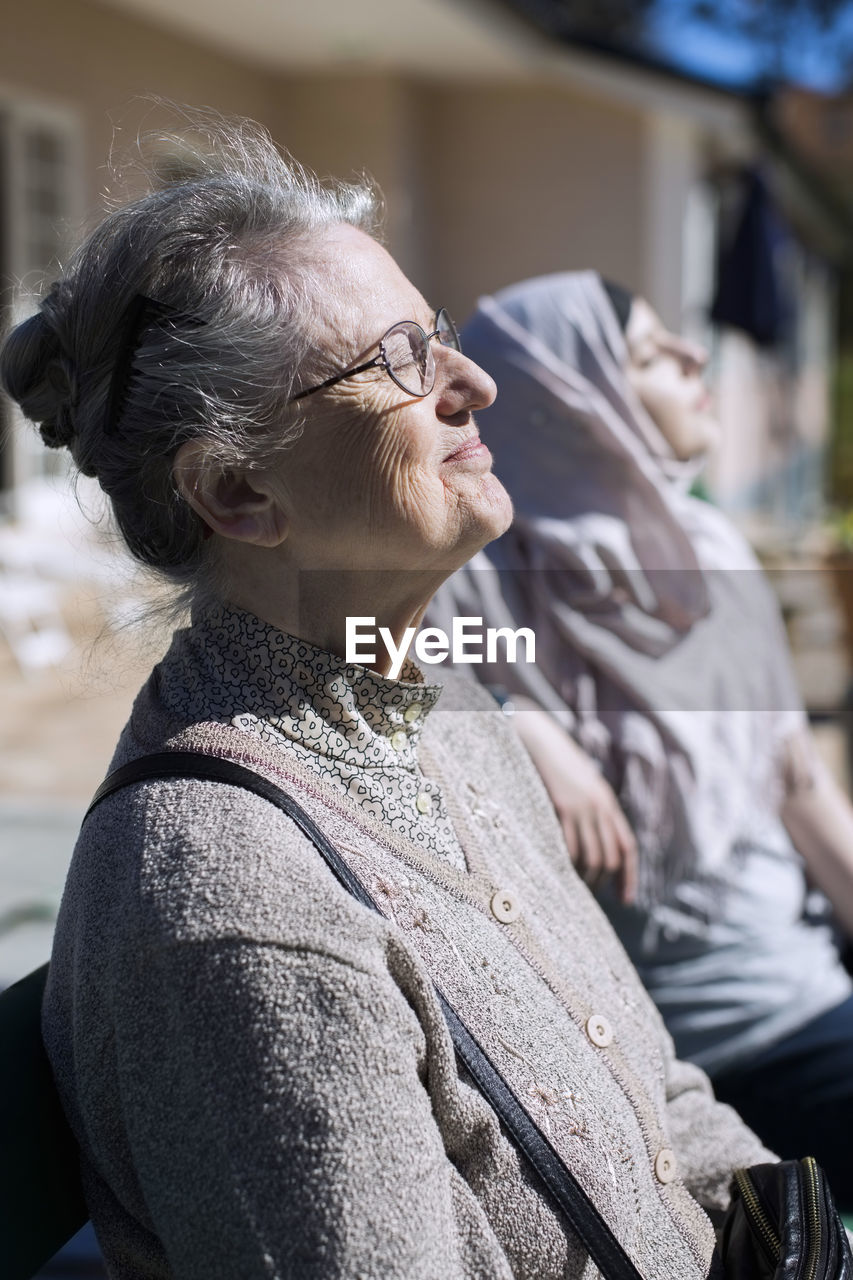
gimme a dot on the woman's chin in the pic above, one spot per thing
(713, 433)
(495, 509)
(700, 437)
(481, 514)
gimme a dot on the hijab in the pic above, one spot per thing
(659, 644)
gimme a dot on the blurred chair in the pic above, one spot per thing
(41, 1195)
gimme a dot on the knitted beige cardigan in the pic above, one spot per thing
(257, 1068)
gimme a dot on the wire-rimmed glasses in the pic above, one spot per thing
(406, 355)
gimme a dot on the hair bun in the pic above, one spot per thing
(39, 374)
(58, 431)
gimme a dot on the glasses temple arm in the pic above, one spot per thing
(339, 377)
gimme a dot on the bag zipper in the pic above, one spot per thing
(812, 1194)
(770, 1241)
(764, 1227)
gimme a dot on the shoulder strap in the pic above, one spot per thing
(555, 1177)
(193, 764)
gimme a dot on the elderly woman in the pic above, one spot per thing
(663, 694)
(258, 1068)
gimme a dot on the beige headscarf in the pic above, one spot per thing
(659, 644)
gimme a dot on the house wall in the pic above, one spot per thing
(94, 61)
(527, 180)
(672, 155)
(349, 125)
(85, 64)
(486, 183)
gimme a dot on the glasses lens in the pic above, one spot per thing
(447, 333)
(410, 360)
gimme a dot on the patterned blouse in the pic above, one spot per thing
(358, 730)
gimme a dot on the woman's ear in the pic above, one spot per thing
(240, 505)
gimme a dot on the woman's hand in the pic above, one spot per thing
(819, 818)
(596, 831)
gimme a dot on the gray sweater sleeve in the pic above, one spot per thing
(710, 1137)
(279, 1122)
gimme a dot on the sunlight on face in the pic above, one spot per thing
(381, 479)
(666, 372)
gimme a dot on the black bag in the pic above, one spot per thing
(782, 1224)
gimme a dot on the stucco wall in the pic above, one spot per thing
(346, 125)
(524, 181)
(94, 61)
(484, 184)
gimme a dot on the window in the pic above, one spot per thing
(40, 205)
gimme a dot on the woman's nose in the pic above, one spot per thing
(461, 384)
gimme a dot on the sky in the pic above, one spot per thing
(715, 50)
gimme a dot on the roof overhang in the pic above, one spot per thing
(433, 38)
(461, 40)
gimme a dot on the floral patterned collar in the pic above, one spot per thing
(234, 664)
(358, 730)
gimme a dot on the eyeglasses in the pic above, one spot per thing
(406, 356)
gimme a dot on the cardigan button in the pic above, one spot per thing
(399, 740)
(504, 906)
(599, 1030)
(665, 1165)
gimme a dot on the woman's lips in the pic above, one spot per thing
(472, 448)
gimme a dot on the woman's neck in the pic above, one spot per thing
(321, 606)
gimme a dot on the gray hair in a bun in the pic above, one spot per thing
(227, 248)
(44, 377)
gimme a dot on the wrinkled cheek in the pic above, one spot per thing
(392, 483)
(352, 484)
(383, 484)
(399, 502)
(415, 498)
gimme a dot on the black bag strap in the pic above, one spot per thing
(557, 1180)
